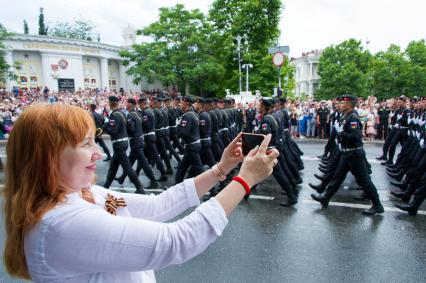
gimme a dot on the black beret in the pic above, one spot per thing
(188, 99)
(283, 99)
(131, 101)
(200, 100)
(113, 98)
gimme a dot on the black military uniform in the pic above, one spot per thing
(99, 122)
(322, 115)
(189, 131)
(216, 138)
(116, 127)
(160, 134)
(148, 125)
(268, 125)
(206, 152)
(173, 117)
(250, 120)
(134, 130)
(383, 127)
(166, 132)
(353, 160)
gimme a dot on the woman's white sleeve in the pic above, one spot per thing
(91, 240)
(164, 206)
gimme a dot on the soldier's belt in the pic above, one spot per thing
(224, 129)
(197, 141)
(165, 128)
(350, 149)
(205, 139)
(132, 138)
(148, 134)
(173, 126)
(120, 140)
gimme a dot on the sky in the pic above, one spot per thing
(305, 24)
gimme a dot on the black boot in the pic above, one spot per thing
(375, 209)
(153, 185)
(388, 162)
(412, 207)
(140, 191)
(323, 170)
(402, 186)
(319, 188)
(120, 179)
(319, 177)
(382, 158)
(292, 200)
(163, 178)
(323, 199)
(402, 195)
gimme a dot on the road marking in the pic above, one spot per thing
(314, 158)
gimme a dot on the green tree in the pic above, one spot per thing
(344, 68)
(26, 29)
(258, 19)
(79, 29)
(392, 74)
(416, 53)
(180, 53)
(42, 28)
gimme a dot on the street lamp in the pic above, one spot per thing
(247, 67)
(240, 40)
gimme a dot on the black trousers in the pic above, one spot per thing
(170, 148)
(162, 150)
(354, 162)
(102, 144)
(282, 179)
(382, 130)
(151, 149)
(136, 153)
(225, 138)
(119, 157)
(322, 130)
(191, 160)
(217, 146)
(388, 141)
(175, 139)
(399, 137)
(206, 154)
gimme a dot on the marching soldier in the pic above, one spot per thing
(116, 127)
(383, 127)
(189, 131)
(99, 122)
(352, 159)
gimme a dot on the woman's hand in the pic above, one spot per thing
(259, 163)
(232, 155)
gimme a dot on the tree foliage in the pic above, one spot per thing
(79, 29)
(42, 28)
(6, 70)
(344, 69)
(180, 54)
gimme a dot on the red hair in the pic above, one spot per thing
(32, 185)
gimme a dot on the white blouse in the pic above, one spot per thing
(78, 241)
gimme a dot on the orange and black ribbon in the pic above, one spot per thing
(112, 203)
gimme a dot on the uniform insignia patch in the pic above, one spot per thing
(145, 118)
(354, 125)
(183, 123)
(112, 122)
(264, 126)
(202, 122)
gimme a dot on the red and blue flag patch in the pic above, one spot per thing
(354, 125)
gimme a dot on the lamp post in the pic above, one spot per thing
(240, 40)
(247, 67)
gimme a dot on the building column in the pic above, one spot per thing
(104, 74)
(311, 89)
(45, 72)
(9, 60)
(122, 77)
(311, 70)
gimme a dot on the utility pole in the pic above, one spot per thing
(240, 40)
(247, 67)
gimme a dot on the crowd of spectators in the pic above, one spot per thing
(308, 119)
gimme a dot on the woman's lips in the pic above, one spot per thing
(92, 167)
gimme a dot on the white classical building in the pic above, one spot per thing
(72, 64)
(307, 78)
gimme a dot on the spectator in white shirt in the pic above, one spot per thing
(62, 228)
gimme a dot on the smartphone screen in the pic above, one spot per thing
(250, 141)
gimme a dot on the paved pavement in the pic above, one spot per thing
(264, 242)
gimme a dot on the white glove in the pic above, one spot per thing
(422, 122)
(418, 135)
(339, 129)
(397, 125)
(398, 117)
(106, 120)
(422, 143)
(409, 120)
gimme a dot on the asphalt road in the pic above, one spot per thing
(265, 242)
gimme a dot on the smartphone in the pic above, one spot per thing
(250, 141)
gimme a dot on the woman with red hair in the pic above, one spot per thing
(61, 227)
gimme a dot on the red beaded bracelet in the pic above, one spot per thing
(243, 183)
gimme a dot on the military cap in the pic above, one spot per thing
(282, 99)
(113, 98)
(131, 101)
(200, 100)
(167, 98)
(348, 97)
(188, 99)
(142, 99)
